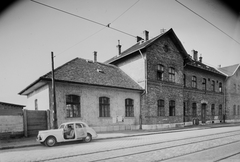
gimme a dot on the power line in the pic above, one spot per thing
(125, 11)
(108, 25)
(207, 21)
(100, 29)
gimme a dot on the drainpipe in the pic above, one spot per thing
(145, 91)
(225, 100)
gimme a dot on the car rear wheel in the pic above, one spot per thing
(88, 138)
(50, 141)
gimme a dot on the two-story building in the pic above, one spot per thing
(178, 88)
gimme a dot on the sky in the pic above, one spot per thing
(29, 32)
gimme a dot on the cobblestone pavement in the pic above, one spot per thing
(141, 148)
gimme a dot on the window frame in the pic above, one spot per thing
(194, 82)
(194, 109)
(73, 106)
(171, 74)
(161, 107)
(204, 84)
(129, 107)
(213, 110)
(160, 71)
(172, 105)
(104, 106)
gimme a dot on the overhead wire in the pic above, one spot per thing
(95, 22)
(207, 21)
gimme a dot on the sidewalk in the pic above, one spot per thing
(31, 141)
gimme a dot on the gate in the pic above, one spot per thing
(35, 121)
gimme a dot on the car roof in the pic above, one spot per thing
(72, 122)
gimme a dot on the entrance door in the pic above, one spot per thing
(81, 132)
(203, 113)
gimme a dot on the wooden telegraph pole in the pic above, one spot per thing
(54, 108)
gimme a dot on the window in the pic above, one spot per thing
(213, 85)
(213, 110)
(161, 109)
(184, 80)
(171, 108)
(220, 87)
(160, 71)
(238, 110)
(104, 107)
(171, 72)
(129, 108)
(36, 104)
(73, 106)
(220, 110)
(204, 84)
(234, 109)
(194, 109)
(194, 82)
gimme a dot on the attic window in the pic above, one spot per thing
(100, 71)
(166, 48)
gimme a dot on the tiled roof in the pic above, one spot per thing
(203, 66)
(229, 70)
(94, 73)
(143, 44)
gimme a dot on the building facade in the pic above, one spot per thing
(152, 85)
(96, 93)
(232, 92)
(179, 90)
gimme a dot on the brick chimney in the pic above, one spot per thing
(200, 58)
(195, 55)
(146, 34)
(95, 56)
(119, 48)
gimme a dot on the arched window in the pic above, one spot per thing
(220, 87)
(73, 106)
(204, 84)
(104, 107)
(129, 107)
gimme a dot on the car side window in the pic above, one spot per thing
(78, 125)
(83, 125)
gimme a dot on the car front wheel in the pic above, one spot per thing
(50, 141)
(88, 138)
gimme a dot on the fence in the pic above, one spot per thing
(22, 123)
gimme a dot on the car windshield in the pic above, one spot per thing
(61, 126)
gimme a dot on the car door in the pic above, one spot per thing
(81, 131)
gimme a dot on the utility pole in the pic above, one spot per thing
(54, 108)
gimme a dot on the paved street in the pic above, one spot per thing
(195, 145)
